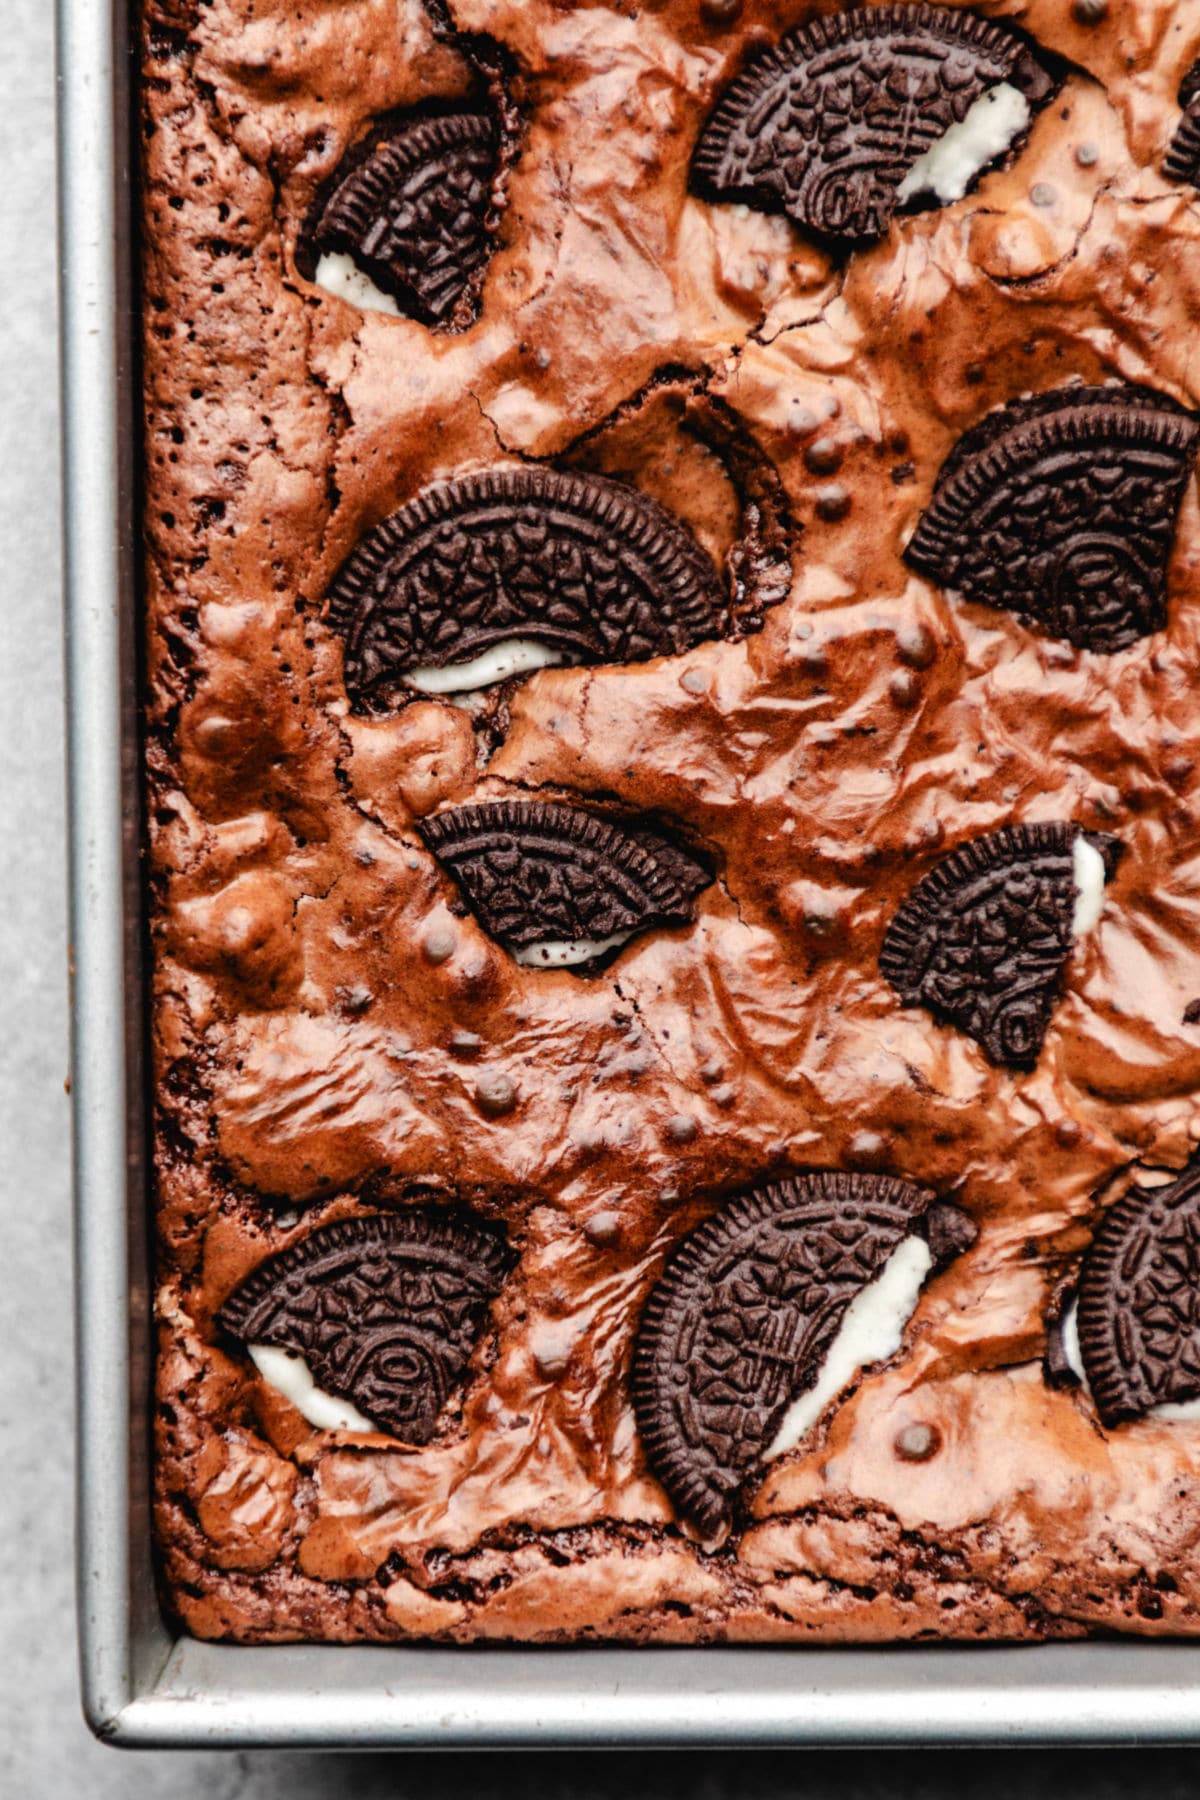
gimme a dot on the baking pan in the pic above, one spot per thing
(142, 1685)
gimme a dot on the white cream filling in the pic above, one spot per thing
(512, 656)
(1073, 1355)
(1068, 1331)
(290, 1375)
(340, 275)
(872, 1329)
(1090, 876)
(950, 165)
(1176, 1409)
(556, 953)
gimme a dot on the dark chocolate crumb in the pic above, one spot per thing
(916, 646)
(904, 690)
(918, 1443)
(603, 1229)
(681, 1128)
(495, 1094)
(823, 456)
(833, 503)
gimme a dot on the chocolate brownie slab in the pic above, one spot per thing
(673, 776)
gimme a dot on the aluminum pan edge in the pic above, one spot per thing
(122, 1639)
(372, 1697)
(139, 1687)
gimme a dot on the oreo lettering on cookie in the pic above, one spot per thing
(827, 126)
(1138, 1301)
(1182, 162)
(590, 570)
(1062, 509)
(413, 214)
(385, 1311)
(558, 887)
(982, 940)
(746, 1311)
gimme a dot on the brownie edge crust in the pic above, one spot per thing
(672, 584)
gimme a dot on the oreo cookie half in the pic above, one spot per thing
(581, 567)
(1183, 157)
(982, 940)
(413, 213)
(746, 1311)
(827, 126)
(385, 1311)
(558, 887)
(1062, 508)
(1138, 1301)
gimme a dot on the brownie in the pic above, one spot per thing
(672, 767)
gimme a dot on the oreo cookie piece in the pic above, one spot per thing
(1062, 508)
(385, 1311)
(828, 126)
(413, 213)
(1182, 162)
(582, 568)
(558, 887)
(745, 1314)
(1138, 1301)
(982, 940)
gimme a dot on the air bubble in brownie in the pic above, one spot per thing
(1062, 509)
(514, 564)
(740, 1345)
(559, 887)
(828, 125)
(982, 940)
(1130, 1334)
(380, 1313)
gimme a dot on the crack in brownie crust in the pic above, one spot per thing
(335, 1040)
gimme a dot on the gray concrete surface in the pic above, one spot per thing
(44, 1747)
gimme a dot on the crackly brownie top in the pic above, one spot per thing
(821, 573)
